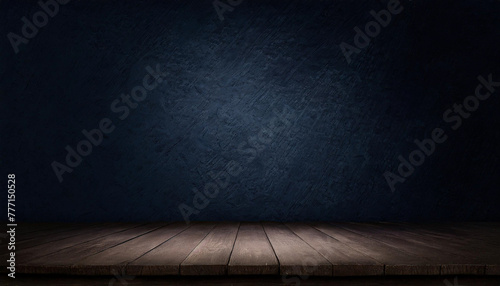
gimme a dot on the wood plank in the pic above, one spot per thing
(26, 228)
(49, 236)
(396, 262)
(432, 230)
(34, 233)
(252, 253)
(486, 234)
(452, 261)
(454, 231)
(340, 249)
(211, 256)
(26, 255)
(471, 243)
(470, 227)
(492, 269)
(255, 280)
(477, 239)
(167, 257)
(115, 258)
(25, 231)
(475, 248)
(61, 262)
(346, 261)
(295, 256)
(71, 230)
(478, 233)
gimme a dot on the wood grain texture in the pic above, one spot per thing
(23, 229)
(62, 261)
(256, 280)
(458, 233)
(51, 230)
(46, 238)
(295, 256)
(396, 262)
(62, 232)
(453, 261)
(25, 255)
(115, 258)
(231, 248)
(165, 259)
(252, 253)
(212, 255)
(479, 245)
(346, 261)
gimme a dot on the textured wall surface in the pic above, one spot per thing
(338, 126)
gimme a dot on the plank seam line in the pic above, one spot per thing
(446, 236)
(189, 226)
(84, 257)
(232, 249)
(201, 240)
(30, 232)
(86, 241)
(348, 245)
(385, 243)
(272, 247)
(71, 229)
(422, 236)
(417, 239)
(321, 255)
(76, 229)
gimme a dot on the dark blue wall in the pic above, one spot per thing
(224, 83)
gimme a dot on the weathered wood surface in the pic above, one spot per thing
(268, 248)
(252, 253)
(212, 255)
(166, 258)
(296, 257)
